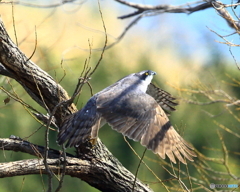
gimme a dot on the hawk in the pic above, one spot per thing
(134, 107)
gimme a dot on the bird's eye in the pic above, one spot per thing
(146, 73)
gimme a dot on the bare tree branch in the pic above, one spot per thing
(185, 8)
(19, 145)
(96, 166)
(220, 8)
(82, 169)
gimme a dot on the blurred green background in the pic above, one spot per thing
(64, 35)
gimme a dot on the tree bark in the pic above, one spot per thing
(97, 166)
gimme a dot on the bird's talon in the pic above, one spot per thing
(93, 142)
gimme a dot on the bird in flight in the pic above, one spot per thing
(134, 107)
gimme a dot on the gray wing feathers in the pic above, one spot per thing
(80, 126)
(128, 115)
(145, 121)
(129, 126)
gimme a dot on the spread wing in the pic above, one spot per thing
(139, 117)
(85, 123)
(80, 126)
(163, 98)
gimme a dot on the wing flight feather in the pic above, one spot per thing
(139, 117)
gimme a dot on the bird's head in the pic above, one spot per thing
(146, 77)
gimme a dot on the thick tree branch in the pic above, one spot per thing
(75, 167)
(95, 166)
(82, 169)
(19, 145)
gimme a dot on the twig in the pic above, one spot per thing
(63, 169)
(54, 5)
(225, 157)
(16, 98)
(105, 43)
(189, 178)
(138, 169)
(14, 26)
(146, 164)
(178, 179)
(50, 173)
(227, 129)
(235, 61)
(35, 46)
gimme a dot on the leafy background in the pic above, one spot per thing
(184, 55)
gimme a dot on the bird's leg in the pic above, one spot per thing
(94, 133)
(93, 141)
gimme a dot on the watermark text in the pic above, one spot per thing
(213, 185)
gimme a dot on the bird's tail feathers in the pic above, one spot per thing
(77, 128)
